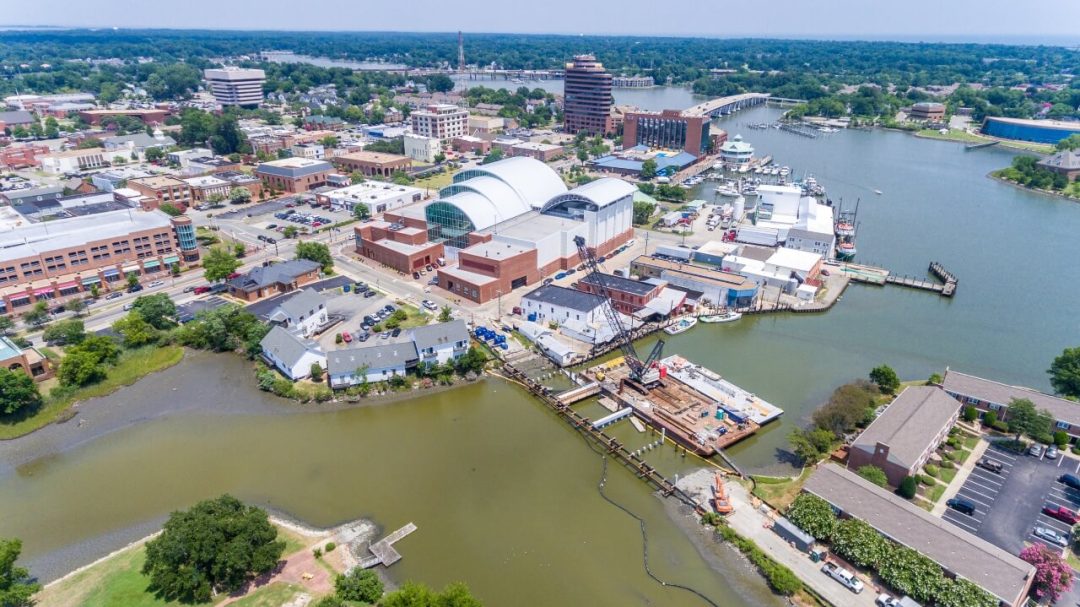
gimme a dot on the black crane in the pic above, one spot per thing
(643, 372)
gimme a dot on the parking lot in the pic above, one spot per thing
(1008, 506)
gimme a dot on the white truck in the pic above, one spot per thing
(844, 576)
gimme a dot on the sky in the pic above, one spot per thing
(1054, 22)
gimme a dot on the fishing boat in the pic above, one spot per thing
(878, 192)
(684, 325)
(729, 316)
(845, 250)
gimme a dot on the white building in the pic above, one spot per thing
(236, 86)
(800, 222)
(440, 343)
(302, 313)
(736, 151)
(74, 161)
(421, 148)
(441, 121)
(378, 196)
(291, 354)
(356, 366)
(136, 144)
(801, 264)
(183, 157)
(311, 151)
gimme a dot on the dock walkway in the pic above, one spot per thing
(383, 552)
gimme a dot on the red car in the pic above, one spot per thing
(1061, 513)
(201, 290)
(347, 337)
(233, 275)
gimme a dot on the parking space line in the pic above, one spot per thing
(962, 524)
(1060, 459)
(1056, 525)
(983, 486)
(1005, 454)
(1078, 467)
(997, 480)
(977, 500)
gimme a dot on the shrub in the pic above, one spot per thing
(781, 579)
(907, 488)
(874, 475)
(359, 585)
(953, 442)
(990, 418)
(813, 515)
(946, 464)
(338, 339)
(858, 543)
(330, 546)
(1000, 426)
(970, 414)
(926, 480)
(1061, 438)
(317, 552)
(935, 379)
(931, 469)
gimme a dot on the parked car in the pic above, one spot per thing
(189, 289)
(219, 288)
(989, 464)
(570, 271)
(1061, 513)
(1070, 480)
(271, 240)
(428, 267)
(261, 237)
(369, 319)
(202, 289)
(389, 308)
(363, 336)
(395, 332)
(962, 505)
(416, 275)
(156, 283)
(825, 272)
(844, 576)
(135, 288)
(129, 306)
(347, 337)
(1052, 452)
(114, 295)
(1036, 450)
(560, 276)
(385, 335)
(1051, 536)
(233, 275)
(271, 226)
(369, 293)
(430, 305)
(548, 281)
(884, 600)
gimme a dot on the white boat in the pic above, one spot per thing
(728, 316)
(784, 171)
(684, 325)
(727, 190)
(878, 192)
(744, 168)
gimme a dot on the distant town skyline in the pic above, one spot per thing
(953, 21)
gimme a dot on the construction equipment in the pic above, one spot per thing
(644, 372)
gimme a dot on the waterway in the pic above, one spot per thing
(503, 492)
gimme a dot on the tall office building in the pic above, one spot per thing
(587, 97)
(236, 86)
(442, 121)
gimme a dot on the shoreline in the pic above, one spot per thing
(1025, 188)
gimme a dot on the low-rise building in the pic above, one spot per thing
(302, 313)
(421, 148)
(134, 145)
(988, 395)
(927, 111)
(377, 196)
(74, 161)
(291, 354)
(959, 553)
(27, 360)
(162, 189)
(116, 178)
(544, 152)
(440, 343)
(294, 175)
(373, 164)
(470, 144)
(15, 198)
(22, 156)
(207, 186)
(554, 304)
(627, 295)
(902, 438)
(353, 366)
(311, 151)
(485, 125)
(94, 117)
(182, 157)
(277, 278)
(237, 179)
(718, 287)
(16, 118)
(1065, 162)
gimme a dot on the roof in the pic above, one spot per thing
(16, 117)
(205, 181)
(44, 193)
(346, 362)
(8, 349)
(697, 273)
(909, 424)
(1065, 159)
(157, 182)
(35, 239)
(287, 347)
(618, 283)
(603, 191)
(534, 182)
(496, 250)
(1002, 394)
(475, 279)
(373, 157)
(567, 298)
(264, 276)
(485, 200)
(433, 336)
(803, 261)
(294, 167)
(1046, 124)
(302, 304)
(956, 550)
(141, 140)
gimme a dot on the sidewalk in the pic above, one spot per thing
(961, 475)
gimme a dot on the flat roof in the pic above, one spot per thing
(158, 181)
(963, 554)
(724, 279)
(794, 259)
(618, 283)
(990, 391)
(373, 190)
(373, 157)
(909, 424)
(473, 278)
(532, 226)
(496, 250)
(35, 239)
(1048, 124)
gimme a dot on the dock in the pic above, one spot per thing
(383, 552)
(579, 394)
(979, 146)
(881, 276)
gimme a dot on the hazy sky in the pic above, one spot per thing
(1049, 21)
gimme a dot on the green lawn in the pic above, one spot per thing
(274, 595)
(935, 493)
(779, 492)
(435, 182)
(970, 441)
(947, 474)
(132, 366)
(966, 137)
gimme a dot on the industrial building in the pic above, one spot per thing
(236, 86)
(719, 288)
(587, 97)
(1039, 131)
(378, 196)
(785, 215)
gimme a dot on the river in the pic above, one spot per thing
(504, 493)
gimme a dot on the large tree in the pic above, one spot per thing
(80, 368)
(158, 309)
(1065, 372)
(217, 545)
(359, 585)
(135, 330)
(218, 263)
(16, 585)
(65, 332)
(37, 315)
(885, 378)
(317, 252)
(1023, 418)
(17, 392)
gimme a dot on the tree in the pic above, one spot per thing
(813, 515)
(75, 306)
(6, 325)
(911, 573)
(412, 594)
(958, 592)
(103, 349)
(446, 314)
(16, 585)
(154, 154)
(170, 210)
(356, 177)
(69, 331)
(240, 196)
(329, 141)
(135, 329)
(809, 445)
(885, 378)
(17, 393)
(648, 169)
(970, 414)
(582, 156)
(80, 368)
(217, 545)
(37, 315)
(1072, 142)
(849, 406)
(440, 158)
(1065, 370)
(132, 280)
(239, 250)
(643, 211)
(494, 155)
(908, 488)
(874, 475)
(218, 264)
(361, 211)
(317, 252)
(1053, 576)
(290, 231)
(361, 585)
(316, 372)
(1023, 418)
(400, 177)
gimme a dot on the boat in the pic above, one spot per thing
(728, 189)
(878, 192)
(728, 316)
(845, 251)
(684, 325)
(744, 168)
(784, 171)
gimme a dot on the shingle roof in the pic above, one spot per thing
(909, 424)
(433, 336)
(1068, 160)
(1002, 394)
(265, 276)
(304, 303)
(286, 346)
(346, 362)
(965, 555)
(567, 298)
(16, 117)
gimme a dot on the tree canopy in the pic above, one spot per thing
(1065, 372)
(886, 379)
(17, 392)
(317, 252)
(218, 263)
(16, 585)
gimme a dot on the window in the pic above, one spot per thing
(1063, 426)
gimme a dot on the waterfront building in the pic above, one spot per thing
(302, 313)
(1065, 162)
(236, 86)
(28, 360)
(440, 343)
(377, 196)
(959, 553)
(1038, 131)
(736, 152)
(74, 161)
(359, 365)
(669, 129)
(632, 82)
(630, 161)
(63, 258)
(902, 438)
(441, 121)
(587, 97)
(626, 295)
(290, 353)
(265, 281)
(294, 175)
(718, 287)
(373, 164)
(421, 148)
(927, 111)
(988, 395)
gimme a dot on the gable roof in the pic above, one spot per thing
(433, 336)
(1068, 160)
(990, 391)
(909, 424)
(346, 362)
(264, 276)
(287, 347)
(567, 298)
(303, 303)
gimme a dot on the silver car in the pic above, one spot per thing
(1036, 450)
(1052, 452)
(1051, 536)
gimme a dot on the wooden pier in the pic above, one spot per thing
(383, 552)
(979, 146)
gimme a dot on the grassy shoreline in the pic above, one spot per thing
(994, 175)
(132, 366)
(965, 137)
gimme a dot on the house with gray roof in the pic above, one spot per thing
(1065, 162)
(552, 303)
(303, 313)
(355, 366)
(442, 342)
(265, 281)
(137, 143)
(959, 553)
(906, 433)
(989, 395)
(290, 353)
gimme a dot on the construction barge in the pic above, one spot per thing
(695, 406)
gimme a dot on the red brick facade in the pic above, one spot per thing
(508, 273)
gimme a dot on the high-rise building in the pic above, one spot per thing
(587, 97)
(443, 121)
(236, 86)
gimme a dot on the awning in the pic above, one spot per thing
(44, 291)
(68, 285)
(134, 268)
(112, 272)
(15, 298)
(151, 263)
(93, 280)
(170, 260)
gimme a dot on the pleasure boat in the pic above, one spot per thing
(728, 316)
(684, 325)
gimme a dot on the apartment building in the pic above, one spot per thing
(161, 189)
(441, 121)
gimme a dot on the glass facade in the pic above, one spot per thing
(448, 224)
(185, 234)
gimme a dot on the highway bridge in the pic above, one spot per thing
(726, 105)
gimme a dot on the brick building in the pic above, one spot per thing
(294, 175)
(161, 189)
(276, 278)
(373, 164)
(491, 269)
(94, 117)
(29, 360)
(669, 129)
(22, 156)
(627, 295)
(400, 242)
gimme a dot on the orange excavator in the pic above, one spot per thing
(720, 499)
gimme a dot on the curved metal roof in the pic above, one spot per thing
(599, 193)
(481, 211)
(535, 182)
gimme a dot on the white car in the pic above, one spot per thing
(157, 283)
(1051, 536)
(884, 600)
(1036, 450)
(430, 305)
(128, 306)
